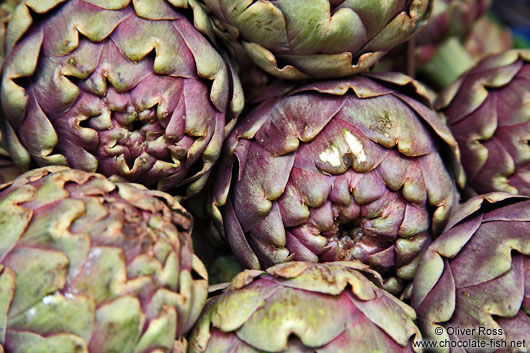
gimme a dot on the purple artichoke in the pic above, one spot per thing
(477, 275)
(92, 266)
(488, 111)
(303, 307)
(337, 170)
(128, 89)
(296, 39)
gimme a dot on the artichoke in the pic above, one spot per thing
(92, 266)
(129, 89)
(488, 111)
(303, 307)
(477, 275)
(338, 170)
(297, 39)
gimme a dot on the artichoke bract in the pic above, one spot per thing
(92, 266)
(488, 111)
(296, 39)
(338, 170)
(303, 307)
(477, 275)
(128, 89)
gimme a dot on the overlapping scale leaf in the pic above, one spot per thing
(338, 170)
(488, 111)
(128, 89)
(302, 307)
(93, 266)
(298, 39)
(475, 276)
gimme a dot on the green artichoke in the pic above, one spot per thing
(126, 88)
(296, 39)
(477, 275)
(302, 307)
(338, 170)
(488, 110)
(92, 266)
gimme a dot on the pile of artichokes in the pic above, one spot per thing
(248, 176)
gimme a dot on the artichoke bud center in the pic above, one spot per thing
(350, 242)
(132, 131)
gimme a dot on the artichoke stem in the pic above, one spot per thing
(450, 61)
